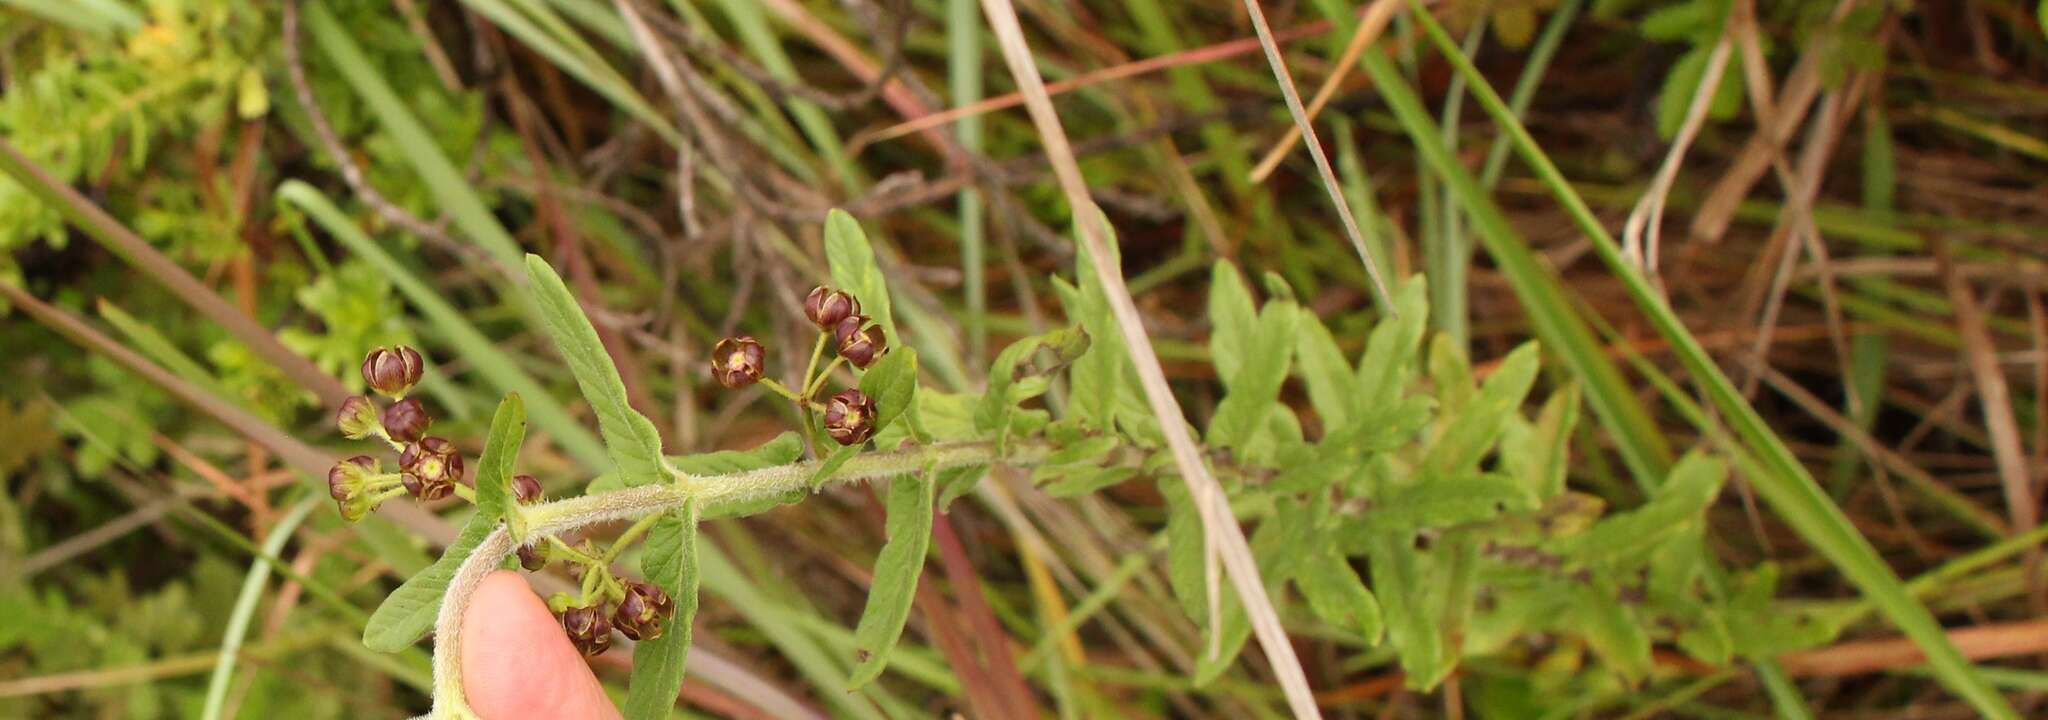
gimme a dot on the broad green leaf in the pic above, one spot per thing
(409, 611)
(854, 270)
(1232, 319)
(501, 450)
(629, 437)
(1332, 385)
(1336, 594)
(1465, 441)
(1390, 351)
(892, 383)
(1255, 389)
(896, 572)
(669, 561)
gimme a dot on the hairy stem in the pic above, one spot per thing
(711, 491)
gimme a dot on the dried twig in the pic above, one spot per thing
(1217, 521)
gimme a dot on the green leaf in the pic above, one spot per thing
(854, 270)
(1336, 594)
(1254, 392)
(1475, 429)
(1399, 580)
(408, 612)
(669, 561)
(1332, 385)
(501, 450)
(1536, 455)
(1083, 481)
(896, 571)
(832, 463)
(1450, 370)
(892, 383)
(957, 482)
(1007, 383)
(1680, 503)
(1611, 629)
(1232, 319)
(629, 437)
(782, 450)
(1187, 568)
(1783, 481)
(1390, 352)
(1445, 502)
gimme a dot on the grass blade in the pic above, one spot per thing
(245, 606)
(1787, 485)
(453, 327)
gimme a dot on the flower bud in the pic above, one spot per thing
(526, 489)
(738, 361)
(850, 417)
(534, 557)
(357, 417)
(358, 506)
(406, 420)
(860, 342)
(826, 307)
(643, 613)
(393, 370)
(347, 477)
(588, 629)
(431, 468)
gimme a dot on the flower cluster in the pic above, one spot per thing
(637, 610)
(849, 415)
(429, 468)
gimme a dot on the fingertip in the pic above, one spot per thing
(516, 663)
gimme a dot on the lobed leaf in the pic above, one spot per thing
(1478, 425)
(1337, 595)
(1254, 391)
(501, 450)
(1232, 319)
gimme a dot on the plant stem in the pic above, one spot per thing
(626, 538)
(811, 390)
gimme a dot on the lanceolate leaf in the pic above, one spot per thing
(1390, 351)
(1536, 455)
(670, 562)
(782, 450)
(501, 450)
(854, 270)
(408, 612)
(1186, 567)
(629, 437)
(896, 571)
